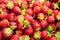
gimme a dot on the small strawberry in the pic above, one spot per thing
(11, 17)
(7, 33)
(36, 9)
(0, 35)
(29, 31)
(15, 37)
(10, 5)
(4, 23)
(17, 10)
(36, 25)
(13, 25)
(43, 24)
(51, 19)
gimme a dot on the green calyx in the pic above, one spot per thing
(42, 1)
(56, 6)
(58, 35)
(19, 2)
(26, 23)
(1, 10)
(8, 31)
(13, 27)
(24, 38)
(58, 17)
(50, 28)
(49, 34)
(37, 35)
(10, 5)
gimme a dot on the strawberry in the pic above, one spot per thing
(4, 23)
(36, 25)
(1, 1)
(31, 38)
(28, 1)
(0, 35)
(5, 1)
(29, 30)
(7, 33)
(11, 17)
(13, 25)
(36, 9)
(52, 38)
(16, 10)
(51, 19)
(3, 6)
(43, 24)
(15, 37)
(58, 24)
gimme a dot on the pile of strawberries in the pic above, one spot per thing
(29, 19)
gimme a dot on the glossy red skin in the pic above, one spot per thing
(29, 18)
(4, 15)
(31, 38)
(19, 32)
(51, 19)
(52, 38)
(11, 17)
(29, 12)
(36, 9)
(58, 24)
(17, 10)
(43, 24)
(36, 25)
(29, 31)
(44, 9)
(13, 23)
(44, 34)
(5, 1)
(28, 0)
(0, 35)
(4, 23)
(15, 37)
(20, 26)
(3, 6)
(5, 35)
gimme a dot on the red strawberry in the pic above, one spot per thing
(58, 24)
(43, 24)
(13, 25)
(4, 23)
(10, 5)
(18, 32)
(0, 35)
(11, 17)
(29, 18)
(17, 10)
(51, 19)
(20, 26)
(3, 6)
(15, 37)
(19, 19)
(7, 33)
(5, 1)
(1, 1)
(29, 12)
(28, 1)
(31, 38)
(40, 16)
(36, 9)
(52, 38)
(36, 25)
(29, 31)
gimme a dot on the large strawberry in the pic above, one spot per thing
(7, 33)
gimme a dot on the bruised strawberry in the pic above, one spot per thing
(11, 17)
(29, 31)
(29, 18)
(19, 19)
(40, 16)
(4, 23)
(37, 35)
(51, 19)
(10, 5)
(20, 26)
(15, 37)
(36, 9)
(43, 24)
(36, 25)
(17, 10)
(0, 35)
(13, 25)
(7, 33)
(45, 34)
(52, 38)
(29, 12)
(18, 32)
